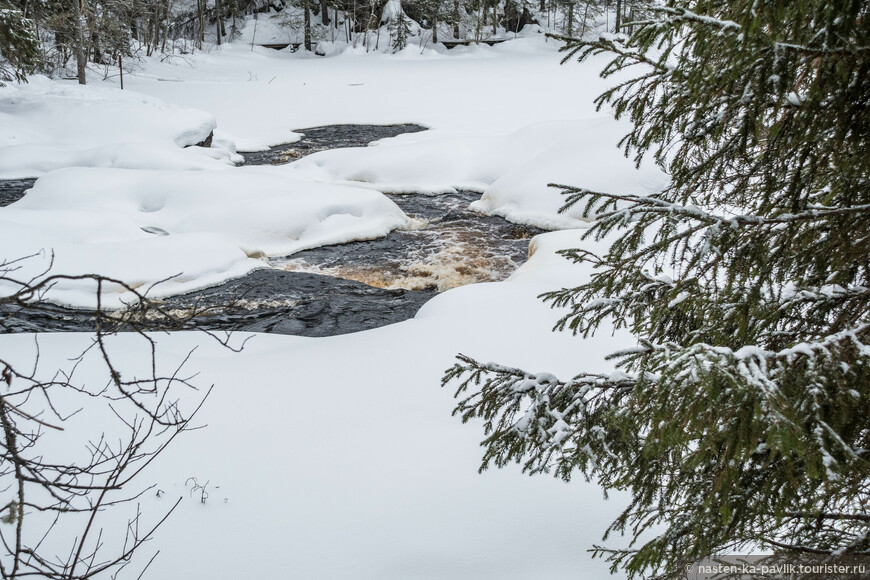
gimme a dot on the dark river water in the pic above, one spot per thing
(341, 288)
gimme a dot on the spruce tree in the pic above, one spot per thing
(741, 418)
(401, 28)
(19, 45)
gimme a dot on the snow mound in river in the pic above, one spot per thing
(201, 226)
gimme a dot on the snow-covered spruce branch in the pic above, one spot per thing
(645, 204)
(613, 427)
(629, 281)
(679, 15)
(829, 294)
(676, 16)
(744, 285)
(606, 43)
(537, 419)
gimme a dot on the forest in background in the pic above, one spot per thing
(60, 37)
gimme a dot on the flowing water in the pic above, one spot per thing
(11, 190)
(453, 247)
(341, 288)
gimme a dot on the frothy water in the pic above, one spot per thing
(454, 247)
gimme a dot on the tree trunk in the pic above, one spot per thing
(134, 23)
(166, 27)
(353, 28)
(570, 25)
(585, 17)
(618, 23)
(306, 8)
(218, 20)
(200, 33)
(456, 30)
(495, 17)
(95, 49)
(81, 58)
(324, 13)
(479, 21)
(152, 33)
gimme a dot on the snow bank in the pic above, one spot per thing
(142, 226)
(512, 171)
(546, 266)
(437, 164)
(180, 264)
(269, 28)
(45, 125)
(588, 157)
(433, 162)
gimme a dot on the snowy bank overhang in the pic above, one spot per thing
(586, 156)
(47, 125)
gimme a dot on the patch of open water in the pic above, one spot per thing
(11, 190)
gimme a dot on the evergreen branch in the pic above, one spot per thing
(537, 417)
(822, 51)
(656, 205)
(745, 284)
(679, 15)
(609, 43)
(829, 516)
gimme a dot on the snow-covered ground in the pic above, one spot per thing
(338, 457)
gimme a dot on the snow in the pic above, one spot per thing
(266, 28)
(206, 260)
(46, 125)
(585, 156)
(474, 144)
(680, 298)
(259, 96)
(548, 268)
(338, 457)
